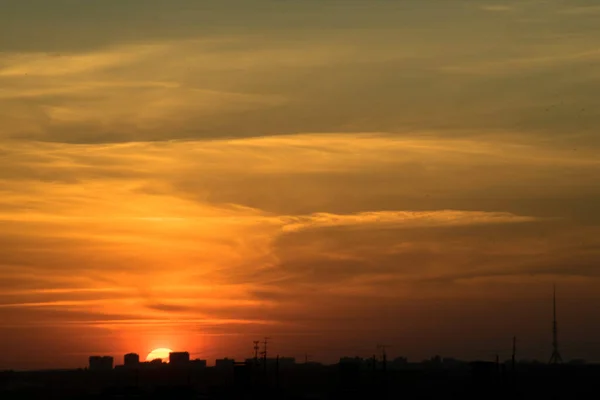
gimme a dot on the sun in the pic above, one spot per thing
(161, 353)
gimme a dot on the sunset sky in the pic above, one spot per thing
(332, 174)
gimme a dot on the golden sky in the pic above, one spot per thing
(332, 174)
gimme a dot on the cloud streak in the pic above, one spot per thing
(496, 8)
(406, 219)
(581, 10)
(253, 84)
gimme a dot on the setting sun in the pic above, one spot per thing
(162, 354)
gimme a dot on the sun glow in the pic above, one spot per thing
(161, 353)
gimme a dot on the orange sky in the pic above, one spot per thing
(333, 175)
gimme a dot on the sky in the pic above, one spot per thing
(332, 174)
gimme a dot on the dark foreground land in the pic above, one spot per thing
(473, 381)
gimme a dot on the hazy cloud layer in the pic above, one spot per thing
(354, 68)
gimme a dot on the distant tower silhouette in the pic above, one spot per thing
(555, 358)
(383, 347)
(256, 352)
(264, 354)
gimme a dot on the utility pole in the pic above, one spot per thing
(383, 380)
(306, 357)
(264, 353)
(256, 342)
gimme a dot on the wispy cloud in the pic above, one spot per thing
(141, 226)
(496, 7)
(60, 291)
(581, 10)
(58, 65)
(518, 65)
(401, 219)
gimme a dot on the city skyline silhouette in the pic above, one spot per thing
(401, 179)
(381, 354)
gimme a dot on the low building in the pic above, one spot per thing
(242, 376)
(484, 372)
(179, 358)
(287, 362)
(399, 363)
(198, 364)
(156, 363)
(101, 363)
(131, 360)
(224, 364)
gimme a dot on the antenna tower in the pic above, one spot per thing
(264, 353)
(555, 358)
(383, 354)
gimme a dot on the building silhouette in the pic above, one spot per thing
(198, 364)
(224, 364)
(101, 363)
(179, 359)
(285, 362)
(157, 362)
(399, 363)
(131, 360)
